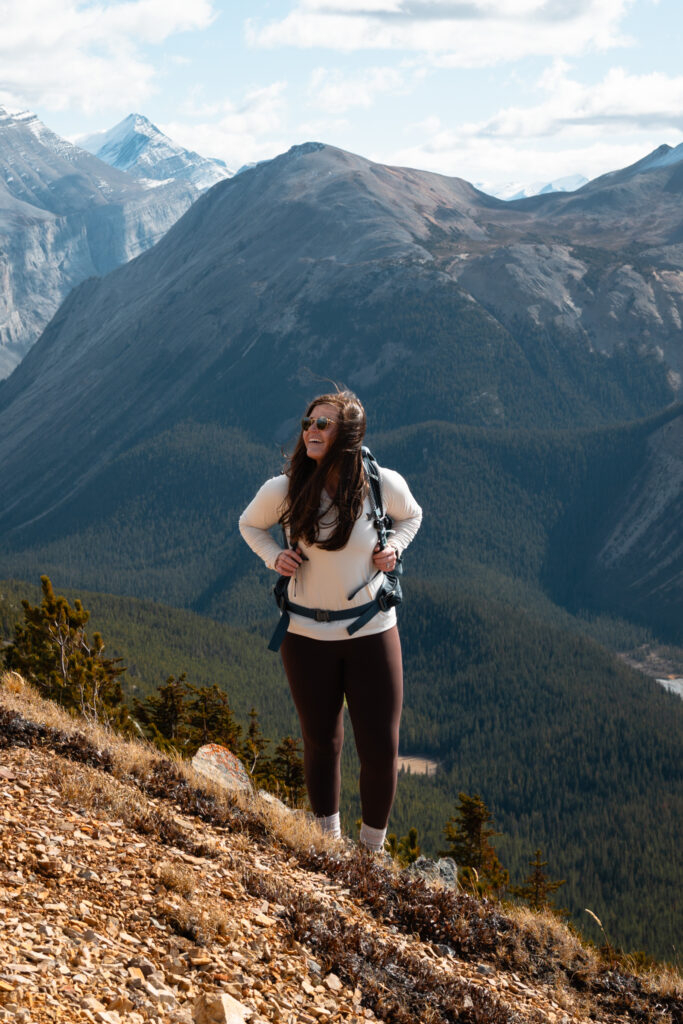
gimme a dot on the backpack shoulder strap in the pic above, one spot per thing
(375, 482)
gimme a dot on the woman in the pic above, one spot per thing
(335, 565)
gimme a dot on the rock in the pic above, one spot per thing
(144, 966)
(444, 870)
(159, 993)
(220, 1009)
(52, 867)
(222, 766)
(121, 1003)
(92, 1004)
(264, 920)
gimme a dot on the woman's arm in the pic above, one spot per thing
(262, 513)
(400, 504)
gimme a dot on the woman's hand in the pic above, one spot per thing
(287, 562)
(386, 559)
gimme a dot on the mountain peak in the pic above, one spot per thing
(137, 146)
(303, 148)
(26, 120)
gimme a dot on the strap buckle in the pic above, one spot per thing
(322, 615)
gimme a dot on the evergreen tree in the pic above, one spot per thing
(537, 886)
(405, 850)
(52, 651)
(408, 848)
(209, 719)
(289, 770)
(253, 753)
(164, 716)
(470, 847)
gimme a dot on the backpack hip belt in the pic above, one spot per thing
(386, 598)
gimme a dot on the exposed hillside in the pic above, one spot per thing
(559, 738)
(65, 216)
(219, 899)
(139, 147)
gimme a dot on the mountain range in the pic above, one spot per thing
(434, 300)
(518, 190)
(65, 216)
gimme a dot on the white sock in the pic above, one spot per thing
(373, 838)
(330, 824)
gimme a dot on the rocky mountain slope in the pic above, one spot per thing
(133, 891)
(604, 263)
(65, 216)
(139, 147)
(640, 556)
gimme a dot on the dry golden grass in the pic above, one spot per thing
(177, 877)
(201, 922)
(18, 695)
(295, 829)
(91, 789)
(543, 930)
(550, 934)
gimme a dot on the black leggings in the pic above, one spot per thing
(368, 671)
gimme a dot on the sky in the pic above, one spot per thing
(494, 91)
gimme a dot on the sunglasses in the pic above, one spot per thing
(322, 422)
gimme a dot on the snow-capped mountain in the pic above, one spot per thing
(518, 190)
(139, 147)
(65, 216)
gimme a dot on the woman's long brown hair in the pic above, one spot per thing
(307, 477)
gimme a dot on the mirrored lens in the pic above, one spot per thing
(322, 423)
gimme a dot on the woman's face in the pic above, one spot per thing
(318, 442)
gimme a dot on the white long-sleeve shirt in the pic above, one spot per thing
(326, 578)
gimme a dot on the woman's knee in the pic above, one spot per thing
(327, 747)
(379, 757)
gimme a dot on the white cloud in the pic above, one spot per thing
(254, 128)
(493, 164)
(464, 34)
(334, 92)
(576, 128)
(621, 100)
(61, 53)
